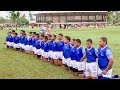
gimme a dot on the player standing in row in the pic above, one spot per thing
(79, 64)
(72, 56)
(105, 60)
(60, 45)
(46, 49)
(54, 50)
(16, 42)
(66, 52)
(91, 64)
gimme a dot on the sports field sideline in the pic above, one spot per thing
(14, 64)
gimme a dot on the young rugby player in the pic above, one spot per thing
(91, 64)
(66, 52)
(72, 56)
(50, 43)
(22, 32)
(8, 40)
(30, 43)
(37, 46)
(79, 64)
(33, 42)
(60, 48)
(105, 60)
(54, 50)
(42, 45)
(12, 34)
(16, 42)
(26, 44)
(46, 49)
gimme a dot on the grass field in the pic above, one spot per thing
(14, 64)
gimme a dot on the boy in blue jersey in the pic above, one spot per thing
(33, 42)
(91, 64)
(54, 50)
(42, 45)
(72, 56)
(60, 48)
(12, 34)
(50, 43)
(79, 64)
(23, 42)
(22, 32)
(37, 46)
(105, 60)
(16, 42)
(66, 52)
(26, 44)
(30, 43)
(8, 40)
(46, 49)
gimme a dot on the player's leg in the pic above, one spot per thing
(93, 70)
(87, 71)
(81, 69)
(60, 58)
(46, 56)
(55, 58)
(63, 63)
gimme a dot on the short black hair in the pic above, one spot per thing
(60, 34)
(37, 34)
(24, 33)
(68, 38)
(45, 37)
(16, 34)
(49, 35)
(78, 41)
(42, 35)
(104, 39)
(34, 32)
(89, 40)
(54, 35)
(13, 30)
(73, 39)
(30, 32)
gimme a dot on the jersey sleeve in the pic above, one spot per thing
(109, 54)
(83, 51)
(96, 52)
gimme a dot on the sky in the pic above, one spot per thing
(5, 14)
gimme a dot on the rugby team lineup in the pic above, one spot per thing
(66, 52)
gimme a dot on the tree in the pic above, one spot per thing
(2, 20)
(14, 16)
(22, 21)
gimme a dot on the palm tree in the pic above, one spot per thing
(14, 16)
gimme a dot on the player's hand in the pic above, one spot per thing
(104, 72)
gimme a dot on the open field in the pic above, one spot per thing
(14, 64)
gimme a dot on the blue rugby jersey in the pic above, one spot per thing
(79, 53)
(16, 40)
(72, 52)
(104, 54)
(46, 47)
(54, 46)
(66, 50)
(60, 45)
(91, 54)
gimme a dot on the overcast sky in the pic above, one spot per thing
(4, 14)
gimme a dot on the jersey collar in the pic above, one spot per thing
(104, 47)
(89, 48)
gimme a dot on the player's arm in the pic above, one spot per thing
(110, 58)
(84, 55)
(96, 53)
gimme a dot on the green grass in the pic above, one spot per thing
(14, 64)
